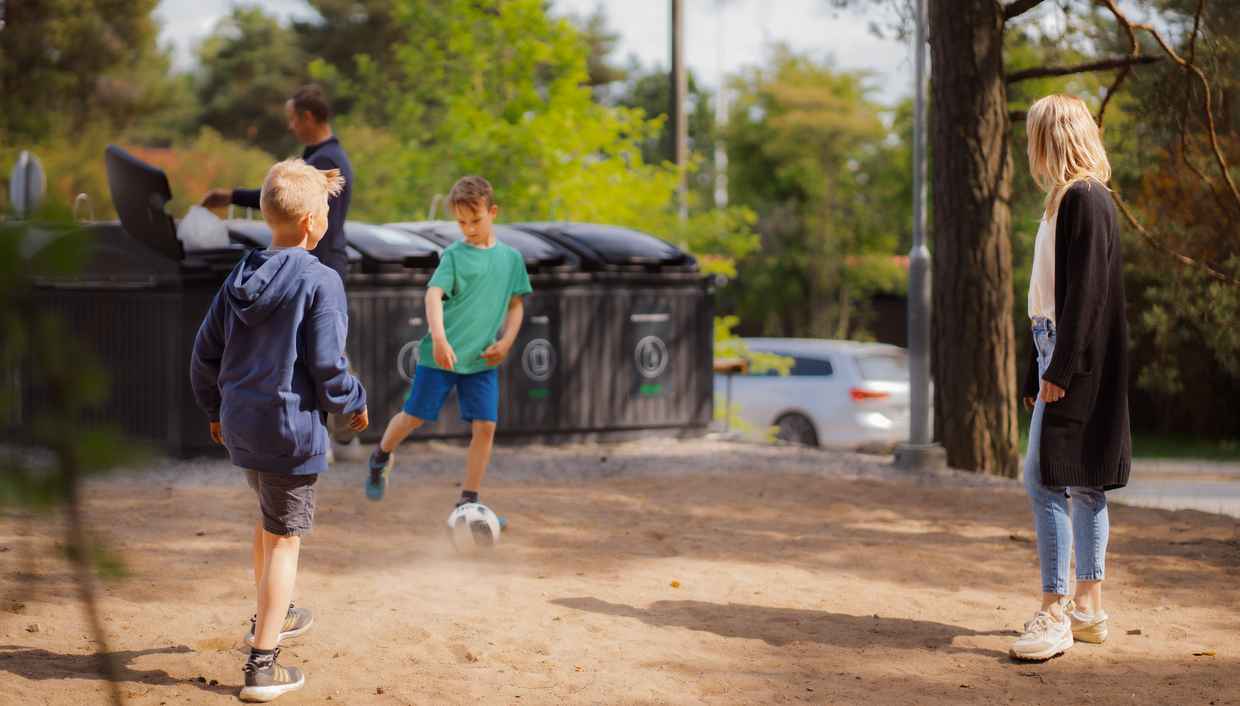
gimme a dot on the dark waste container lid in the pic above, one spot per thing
(371, 248)
(540, 255)
(140, 192)
(612, 248)
(115, 261)
(382, 248)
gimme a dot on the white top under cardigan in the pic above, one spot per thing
(1042, 279)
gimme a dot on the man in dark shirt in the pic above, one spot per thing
(308, 112)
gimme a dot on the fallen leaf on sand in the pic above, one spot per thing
(675, 584)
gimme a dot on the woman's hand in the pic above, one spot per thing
(1051, 392)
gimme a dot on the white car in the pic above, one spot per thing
(839, 393)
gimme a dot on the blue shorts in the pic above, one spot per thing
(478, 394)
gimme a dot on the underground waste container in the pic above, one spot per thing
(535, 379)
(640, 333)
(137, 304)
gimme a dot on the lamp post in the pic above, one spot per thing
(680, 123)
(919, 452)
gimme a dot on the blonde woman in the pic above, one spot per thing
(1079, 445)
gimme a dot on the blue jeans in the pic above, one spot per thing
(1086, 527)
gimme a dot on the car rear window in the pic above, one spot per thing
(885, 367)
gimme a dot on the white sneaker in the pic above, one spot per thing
(1089, 627)
(1043, 638)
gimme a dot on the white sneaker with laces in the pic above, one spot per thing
(1089, 627)
(1044, 637)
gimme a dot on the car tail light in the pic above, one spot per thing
(860, 395)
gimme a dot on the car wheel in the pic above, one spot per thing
(796, 429)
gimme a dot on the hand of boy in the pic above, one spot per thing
(445, 357)
(496, 352)
(359, 421)
(216, 435)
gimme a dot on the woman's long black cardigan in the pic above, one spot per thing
(1085, 436)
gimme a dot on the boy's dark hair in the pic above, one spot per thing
(311, 99)
(469, 192)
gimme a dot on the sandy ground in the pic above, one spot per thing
(652, 573)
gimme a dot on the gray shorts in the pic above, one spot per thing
(286, 501)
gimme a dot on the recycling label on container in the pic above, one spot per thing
(538, 358)
(407, 358)
(649, 343)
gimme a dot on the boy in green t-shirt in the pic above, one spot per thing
(475, 292)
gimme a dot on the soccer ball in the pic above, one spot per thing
(473, 526)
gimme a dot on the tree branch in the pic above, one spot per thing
(1210, 271)
(1019, 7)
(1207, 93)
(1119, 62)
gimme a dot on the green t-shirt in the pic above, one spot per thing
(477, 285)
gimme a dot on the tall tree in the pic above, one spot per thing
(808, 152)
(650, 91)
(973, 354)
(972, 186)
(67, 63)
(251, 64)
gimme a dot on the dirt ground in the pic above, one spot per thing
(648, 573)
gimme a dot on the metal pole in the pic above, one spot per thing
(680, 87)
(920, 452)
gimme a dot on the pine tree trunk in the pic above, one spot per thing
(973, 359)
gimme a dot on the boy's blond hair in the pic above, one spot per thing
(294, 189)
(470, 192)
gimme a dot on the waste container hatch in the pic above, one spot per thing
(604, 247)
(386, 249)
(140, 195)
(540, 255)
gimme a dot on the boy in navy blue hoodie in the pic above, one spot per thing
(268, 362)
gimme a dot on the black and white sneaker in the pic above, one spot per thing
(270, 681)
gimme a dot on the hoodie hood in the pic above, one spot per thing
(264, 280)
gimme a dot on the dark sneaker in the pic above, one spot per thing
(376, 482)
(269, 682)
(296, 622)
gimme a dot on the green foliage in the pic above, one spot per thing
(251, 64)
(650, 90)
(810, 154)
(506, 93)
(67, 64)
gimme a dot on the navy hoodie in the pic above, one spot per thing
(328, 154)
(269, 359)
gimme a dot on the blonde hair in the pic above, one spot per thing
(294, 189)
(1065, 146)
